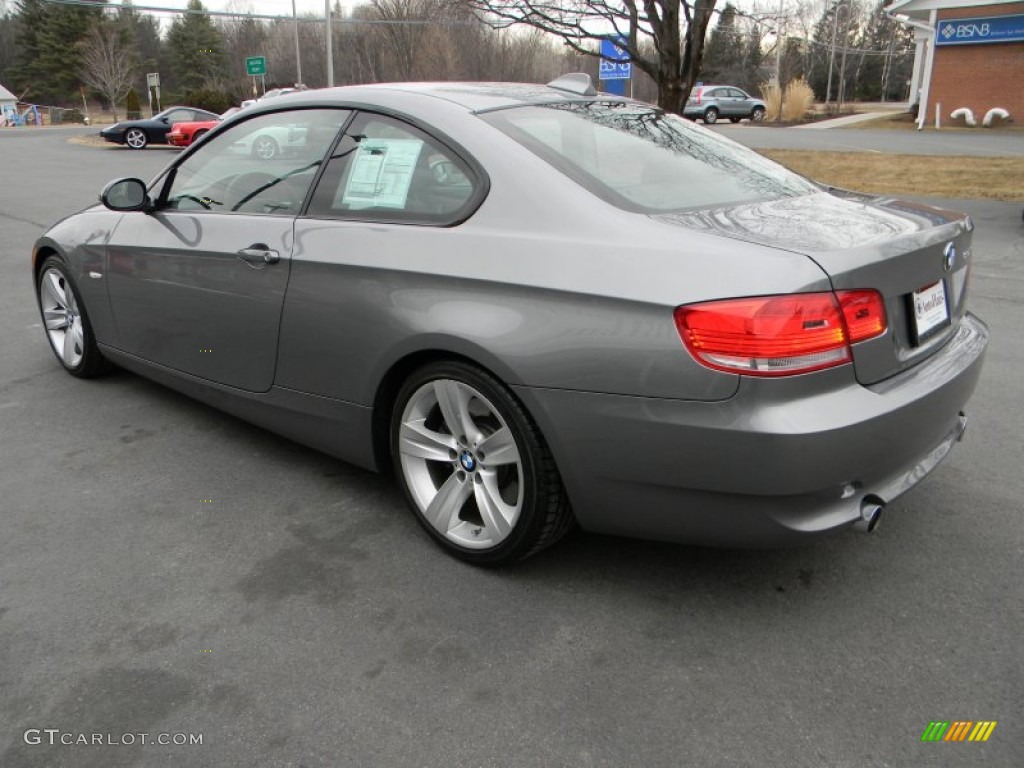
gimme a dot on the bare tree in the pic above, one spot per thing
(672, 61)
(108, 64)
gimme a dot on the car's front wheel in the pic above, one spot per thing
(710, 115)
(66, 321)
(136, 138)
(474, 467)
(757, 115)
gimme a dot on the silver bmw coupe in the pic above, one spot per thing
(539, 306)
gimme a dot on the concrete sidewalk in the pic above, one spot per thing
(863, 117)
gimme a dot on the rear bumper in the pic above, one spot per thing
(769, 466)
(177, 140)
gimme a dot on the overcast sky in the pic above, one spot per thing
(271, 7)
(284, 7)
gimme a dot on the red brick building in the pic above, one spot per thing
(970, 53)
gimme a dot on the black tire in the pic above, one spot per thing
(92, 362)
(710, 116)
(265, 148)
(735, 119)
(136, 138)
(757, 114)
(544, 516)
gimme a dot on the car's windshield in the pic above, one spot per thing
(642, 159)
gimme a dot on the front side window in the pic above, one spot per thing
(642, 159)
(387, 170)
(263, 165)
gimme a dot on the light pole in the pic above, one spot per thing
(832, 54)
(298, 54)
(330, 47)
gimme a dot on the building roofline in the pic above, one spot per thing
(921, 9)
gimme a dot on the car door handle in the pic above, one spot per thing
(258, 253)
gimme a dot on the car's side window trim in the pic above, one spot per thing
(481, 186)
(326, 159)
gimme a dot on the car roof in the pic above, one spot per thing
(471, 97)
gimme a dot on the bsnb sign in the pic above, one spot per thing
(987, 29)
(614, 61)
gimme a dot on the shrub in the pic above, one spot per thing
(208, 99)
(797, 101)
(132, 107)
(772, 95)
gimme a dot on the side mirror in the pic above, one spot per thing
(164, 119)
(126, 195)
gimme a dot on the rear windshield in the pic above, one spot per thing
(642, 159)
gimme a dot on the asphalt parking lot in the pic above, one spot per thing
(167, 569)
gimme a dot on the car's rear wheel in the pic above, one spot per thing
(710, 115)
(474, 467)
(66, 321)
(757, 115)
(136, 138)
(265, 148)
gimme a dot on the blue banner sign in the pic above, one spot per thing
(614, 61)
(984, 29)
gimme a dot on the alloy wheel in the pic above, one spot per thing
(135, 138)
(62, 317)
(461, 464)
(264, 147)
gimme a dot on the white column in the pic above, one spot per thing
(929, 64)
(920, 39)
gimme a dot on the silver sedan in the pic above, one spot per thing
(539, 306)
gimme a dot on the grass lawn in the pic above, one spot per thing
(986, 178)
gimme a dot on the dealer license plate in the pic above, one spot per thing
(931, 312)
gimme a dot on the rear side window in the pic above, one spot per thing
(641, 159)
(387, 170)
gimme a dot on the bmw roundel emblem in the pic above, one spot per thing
(467, 461)
(949, 257)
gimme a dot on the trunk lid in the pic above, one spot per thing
(918, 257)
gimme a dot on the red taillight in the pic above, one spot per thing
(780, 335)
(864, 314)
(698, 92)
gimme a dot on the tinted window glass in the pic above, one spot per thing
(262, 165)
(387, 170)
(641, 159)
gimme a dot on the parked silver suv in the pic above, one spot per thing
(710, 102)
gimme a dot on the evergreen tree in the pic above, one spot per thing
(132, 107)
(8, 32)
(195, 50)
(835, 29)
(888, 66)
(721, 52)
(47, 59)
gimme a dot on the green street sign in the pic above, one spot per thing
(256, 65)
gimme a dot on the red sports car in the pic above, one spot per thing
(183, 134)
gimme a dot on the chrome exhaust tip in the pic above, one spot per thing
(870, 515)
